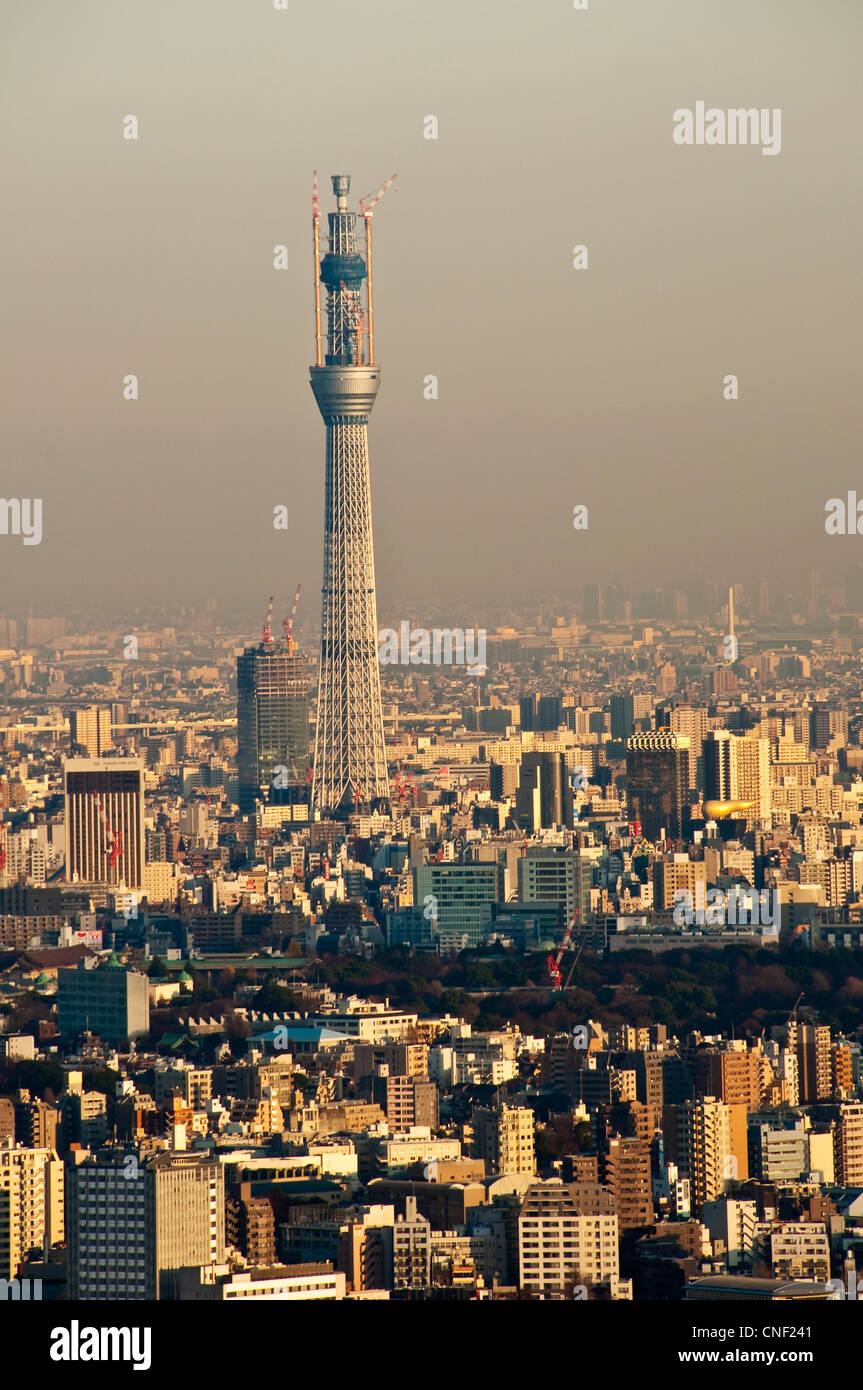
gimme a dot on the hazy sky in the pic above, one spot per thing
(557, 387)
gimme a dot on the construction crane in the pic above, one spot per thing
(359, 790)
(288, 622)
(316, 222)
(367, 207)
(793, 1013)
(554, 961)
(402, 781)
(114, 840)
(267, 634)
(581, 945)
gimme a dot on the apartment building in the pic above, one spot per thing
(567, 1235)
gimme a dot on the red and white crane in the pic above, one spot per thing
(367, 207)
(114, 839)
(554, 961)
(288, 622)
(267, 634)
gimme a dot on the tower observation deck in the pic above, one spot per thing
(350, 768)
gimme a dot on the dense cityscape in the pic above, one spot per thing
(431, 715)
(571, 1012)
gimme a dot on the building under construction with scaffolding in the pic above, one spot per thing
(273, 720)
(350, 766)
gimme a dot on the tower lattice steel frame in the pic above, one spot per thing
(350, 767)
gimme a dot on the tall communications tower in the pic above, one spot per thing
(350, 768)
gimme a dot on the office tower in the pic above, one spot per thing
(624, 1168)
(827, 725)
(503, 1139)
(31, 1204)
(105, 821)
(814, 1061)
(110, 1001)
(527, 713)
(622, 716)
(764, 599)
(90, 731)
(594, 605)
(350, 758)
(130, 1222)
(547, 873)
(272, 723)
(544, 795)
(567, 1234)
(657, 781)
(703, 1147)
(737, 768)
(692, 722)
(549, 712)
(107, 1216)
(459, 899)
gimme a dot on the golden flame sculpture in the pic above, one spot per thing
(719, 810)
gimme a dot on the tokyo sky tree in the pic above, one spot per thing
(350, 767)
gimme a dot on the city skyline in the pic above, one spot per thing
(492, 930)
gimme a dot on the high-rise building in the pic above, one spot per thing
(622, 716)
(409, 1101)
(692, 723)
(848, 1145)
(778, 1148)
(594, 603)
(90, 731)
(105, 821)
(272, 723)
(411, 1248)
(130, 1222)
(544, 795)
(657, 781)
(700, 1142)
(31, 1204)
(547, 873)
(737, 768)
(110, 1000)
(814, 1061)
(624, 1168)
(827, 725)
(567, 1235)
(549, 712)
(251, 1226)
(504, 1139)
(350, 764)
(460, 900)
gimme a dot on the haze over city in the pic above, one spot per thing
(557, 387)
(431, 716)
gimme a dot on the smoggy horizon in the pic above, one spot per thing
(603, 387)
